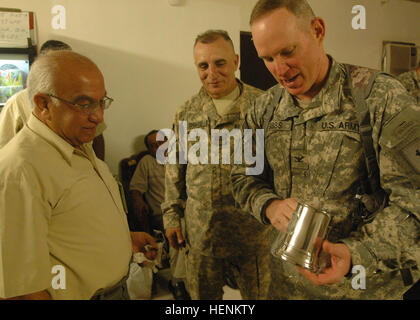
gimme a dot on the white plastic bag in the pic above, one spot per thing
(139, 282)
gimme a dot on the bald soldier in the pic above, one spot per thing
(315, 156)
(222, 241)
(60, 207)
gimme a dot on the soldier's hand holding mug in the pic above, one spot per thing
(279, 212)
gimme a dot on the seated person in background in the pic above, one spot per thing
(411, 81)
(147, 191)
(147, 187)
(17, 109)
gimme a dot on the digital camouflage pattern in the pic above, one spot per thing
(250, 272)
(215, 225)
(411, 81)
(315, 156)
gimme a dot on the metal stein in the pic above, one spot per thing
(302, 242)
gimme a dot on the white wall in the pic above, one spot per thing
(144, 49)
(394, 20)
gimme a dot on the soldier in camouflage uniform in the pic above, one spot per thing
(221, 239)
(411, 81)
(314, 156)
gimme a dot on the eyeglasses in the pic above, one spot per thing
(89, 108)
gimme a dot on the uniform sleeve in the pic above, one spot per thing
(140, 179)
(24, 255)
(175, 185)
(391, 241)
(252, 192)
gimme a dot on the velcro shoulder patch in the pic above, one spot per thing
(402, 129)
(411, 153)
(402, 137)
(361, 76)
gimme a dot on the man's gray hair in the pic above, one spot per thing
(300, 8)
(211, 36)
(44, 71)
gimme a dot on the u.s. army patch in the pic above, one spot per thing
(338, 126)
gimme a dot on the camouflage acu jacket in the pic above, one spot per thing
(411, 81)
(315, 156)
(202, 192)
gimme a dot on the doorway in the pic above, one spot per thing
(252, 68)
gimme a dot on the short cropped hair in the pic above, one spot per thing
(53, 45)
(211, 36)
(300, 8)
(146, 138)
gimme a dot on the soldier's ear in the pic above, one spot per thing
(236, 61)
(318, 28)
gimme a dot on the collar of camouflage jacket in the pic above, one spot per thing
(210, 109)
(325, 102)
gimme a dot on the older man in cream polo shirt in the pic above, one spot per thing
(59, 204)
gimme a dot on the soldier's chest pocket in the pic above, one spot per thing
(197, 126)
(277, 147)
(336, 160)
(197, 153)
(198, 140)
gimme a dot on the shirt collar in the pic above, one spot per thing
(325, 102)
(62, 146)
(210, 109)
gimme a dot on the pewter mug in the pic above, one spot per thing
(302, 242)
